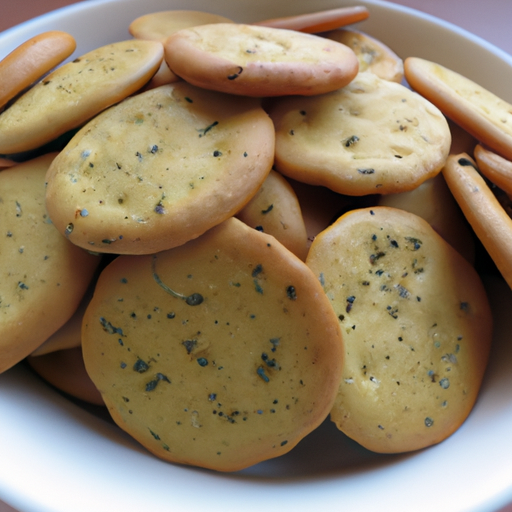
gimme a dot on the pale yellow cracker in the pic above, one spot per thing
(434, 202)
(163, 76)
(221, 353)
(158, 26)
(275, 210)
(159, 169)
(76, 91)
(70, 334)
(372, 136)
(42, 276)
(373, 54)
(417, 328)
(259, 61)
(480, 112)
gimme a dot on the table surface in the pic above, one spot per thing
(489, 20)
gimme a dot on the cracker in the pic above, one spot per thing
(6, 162)
(76, 91)
(417, 328)
(42, 276)
(373, 54)
(490, 222)
(220, 353)
(434, 202)
(31, 60)
(275, 210)
(158, 26)
(321, 206)
(480, 112)
(178, 160)
(372, 136)
(319, 21)
(495, 168)
(163, 76)
(70, 334)
(65, 370)
(259, 61)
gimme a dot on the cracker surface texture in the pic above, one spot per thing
(219, 353)
(372, 136)
(480, 112)
(77, 91)
(159, 169)
(42, 275)
(417, 328)
(259, 61)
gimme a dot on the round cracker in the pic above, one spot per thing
(434, 202)
(489, 220)
(158, 26)
(178, 160)
(480, 112)
(163, 76)
(320, 21)
(76, 91)
(70, 334)
(220, 353)
(372, 136)
(259, 61)
(43, 277)
(275, 210)
(31, 60)
(417, 328)
(65, 370)
(321, 206)
(373, 55)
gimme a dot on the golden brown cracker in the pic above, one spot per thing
(373, 55)
(491, 224)
(220, 353)
(28, 62)
(259, 61)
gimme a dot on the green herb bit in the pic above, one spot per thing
(351, 141)
(204, 131)
(192, 300)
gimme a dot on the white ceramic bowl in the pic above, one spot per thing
(58, 456)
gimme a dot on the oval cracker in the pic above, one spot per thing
(76, 91)
(259, 61)
(43, 277)
(178, 161)
(417, 328)
(480, 112)
(372, 136)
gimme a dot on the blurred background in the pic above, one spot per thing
(490, 19)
